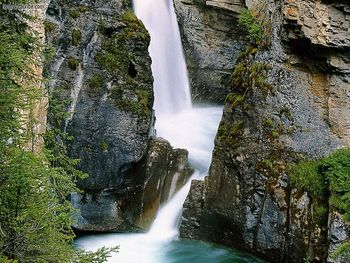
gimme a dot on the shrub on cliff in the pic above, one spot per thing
(256, 22)
(327, 179)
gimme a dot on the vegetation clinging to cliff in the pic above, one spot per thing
(248, 73)
(256, 22)
(329, 176)
(328, 179)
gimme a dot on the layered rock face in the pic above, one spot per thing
(247, 200)
(101, 76)
(211, 44)
(36, 118)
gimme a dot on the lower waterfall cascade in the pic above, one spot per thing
(184, 126)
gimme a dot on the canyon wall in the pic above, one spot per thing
(247, 200)
(101, 80)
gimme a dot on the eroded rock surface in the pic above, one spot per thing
(247, 200)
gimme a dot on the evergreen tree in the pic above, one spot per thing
(35, 214)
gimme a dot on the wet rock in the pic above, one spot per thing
(165, 170)
(192, 210)
(155, 179)
(211, 44)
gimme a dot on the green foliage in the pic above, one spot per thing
(95, 84)
(101, 255)
(275, 134)
(76, 37)
(305, 176)
(248, 74)
(342, 251)
(113, 57)
(129, 17)
(134, 28)
(230, 133)
(307, 259)
(257, 23)
(136, 101)
(327, 178)
(249, 22)
(35, 215)
(73, 63)
(104, 146)
(49, 27)
(234, 99)
(76, 12)
(268, 122)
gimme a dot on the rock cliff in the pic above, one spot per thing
(247, 201)
(211, 44)
(101, 81)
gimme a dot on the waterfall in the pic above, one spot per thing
(172, 92)
(184, 126)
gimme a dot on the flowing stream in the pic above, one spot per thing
(185, 126)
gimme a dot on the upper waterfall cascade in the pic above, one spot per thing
(171, 87)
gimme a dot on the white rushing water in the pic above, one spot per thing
(172, 93)
(185, 126)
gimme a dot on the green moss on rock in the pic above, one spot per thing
(104, 146)
(134, 28)
(76, 12)
(76, 37)
(230, 134)
(113, 57)
(95, 85)
(73, 63)
(49, 27)
(136, 101)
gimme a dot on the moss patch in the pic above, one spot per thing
(257, 24)
(49, 27)
(136, 101)
(134, 29)
(95, 85)
(73, 63)
(76, 37)
(229, 133)
(76, 12)
(113, 57)
(104, 146)
(328, 182)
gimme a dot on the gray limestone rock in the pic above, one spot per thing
(212, 43)
(248, 201)
(101, 75)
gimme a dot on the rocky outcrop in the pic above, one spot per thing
(211, 43)
(150, 182)
(247, 201)
(338, 233)
(101, 83)
(34, 119)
